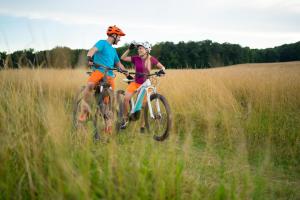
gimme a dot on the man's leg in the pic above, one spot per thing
(85, 107)
(95, 77)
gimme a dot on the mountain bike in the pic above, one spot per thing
(102, 105)
(157, 112)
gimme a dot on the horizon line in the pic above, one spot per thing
(58, 46)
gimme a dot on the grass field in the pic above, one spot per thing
(235, 135)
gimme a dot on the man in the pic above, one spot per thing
(101, 53)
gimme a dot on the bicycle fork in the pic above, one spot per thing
(144, 90)
(156, 103)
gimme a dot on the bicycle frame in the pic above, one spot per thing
(148, 89)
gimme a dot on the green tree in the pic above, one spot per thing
(60, 57)
(3, 56)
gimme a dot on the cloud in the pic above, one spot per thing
(65, 18)
(252, 23)
(231, 14)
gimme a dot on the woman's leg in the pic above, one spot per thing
(126, 103)
(132, 87)
(142, 114)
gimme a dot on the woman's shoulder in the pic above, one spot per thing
(135, 57)
(154, 60)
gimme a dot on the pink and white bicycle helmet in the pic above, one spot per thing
(146, 45)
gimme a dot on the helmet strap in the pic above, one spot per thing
(115, 38)
(147, 54)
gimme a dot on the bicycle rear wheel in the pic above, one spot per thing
(77, 108)
(120, 94)
(160, 125)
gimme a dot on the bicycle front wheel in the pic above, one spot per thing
(159, 124)
(103, 117)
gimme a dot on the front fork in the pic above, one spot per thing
(156, 103)
(136, 107)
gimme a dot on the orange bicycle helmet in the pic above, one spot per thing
(114, 30)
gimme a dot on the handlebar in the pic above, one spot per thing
(110, 69)
(106, 68)
(158, 73)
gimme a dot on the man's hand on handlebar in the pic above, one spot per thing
(123, 71)
(90, 61)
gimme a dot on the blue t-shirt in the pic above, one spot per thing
(106, 55)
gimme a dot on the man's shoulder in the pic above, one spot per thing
(102, 42)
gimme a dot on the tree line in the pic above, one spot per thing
(202, 54)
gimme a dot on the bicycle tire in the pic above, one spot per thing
(153, 125)
(104, 112)
(76, 108)
(120, 94)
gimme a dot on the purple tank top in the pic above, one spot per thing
(140, 67)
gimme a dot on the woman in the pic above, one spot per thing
(143, 63)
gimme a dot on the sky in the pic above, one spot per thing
(45, 24)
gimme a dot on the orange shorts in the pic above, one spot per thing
(132, 87)
(96, 76)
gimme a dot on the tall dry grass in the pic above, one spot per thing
(235, 136)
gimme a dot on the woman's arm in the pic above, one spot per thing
(125, 56)
(160, 66)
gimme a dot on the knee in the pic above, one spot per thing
(127, 98)
(90, 86)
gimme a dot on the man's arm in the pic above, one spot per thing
(92, 51)
(90, 54)
(121, 66)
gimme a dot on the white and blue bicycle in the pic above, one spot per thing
(156, 110)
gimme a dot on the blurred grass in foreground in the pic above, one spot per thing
(235, 136)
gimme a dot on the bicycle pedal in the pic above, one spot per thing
(124, 124)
